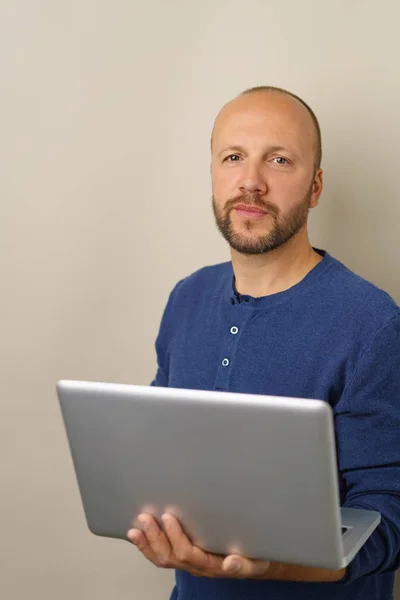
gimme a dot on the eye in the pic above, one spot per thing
(232, 158)
(280, 160)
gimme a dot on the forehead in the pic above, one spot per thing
(264, 119)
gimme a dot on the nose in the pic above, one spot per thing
(253, 180)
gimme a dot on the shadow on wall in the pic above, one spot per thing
(357, 222)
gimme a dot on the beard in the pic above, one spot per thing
(283, 228)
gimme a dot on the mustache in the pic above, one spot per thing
(252, 200)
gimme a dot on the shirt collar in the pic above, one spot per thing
(232, 296)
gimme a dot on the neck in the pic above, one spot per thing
(265, 274)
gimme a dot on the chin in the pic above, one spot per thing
(246, 245)
(249, 237)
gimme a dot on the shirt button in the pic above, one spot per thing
(225, 362)
(234, 330)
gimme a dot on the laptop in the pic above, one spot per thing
(248, 474)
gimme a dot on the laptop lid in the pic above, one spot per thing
(245, 473)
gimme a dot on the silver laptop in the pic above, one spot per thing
(244, 473)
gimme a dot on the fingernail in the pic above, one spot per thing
(165, 519)
(234, 566)
(142, 521)
(131, 535)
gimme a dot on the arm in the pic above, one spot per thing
(163, 341)
(285, 572)
(368, 440)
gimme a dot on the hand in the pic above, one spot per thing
(171, 549)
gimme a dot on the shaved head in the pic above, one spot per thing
(264, 90)
(265, 169)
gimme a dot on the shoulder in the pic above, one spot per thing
(194, 293)
(210, 279)
(359, 297)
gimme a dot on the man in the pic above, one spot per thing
(283, 318)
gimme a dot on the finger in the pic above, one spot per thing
(186, 553)
(139, 539)
(241, 567)
(156, 539)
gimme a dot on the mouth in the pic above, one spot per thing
(250, 212)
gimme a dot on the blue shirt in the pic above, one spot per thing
(333, 336)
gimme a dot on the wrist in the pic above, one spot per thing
(286, 572)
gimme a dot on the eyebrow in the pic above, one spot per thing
(269, 150)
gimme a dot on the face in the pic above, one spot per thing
(263, 171)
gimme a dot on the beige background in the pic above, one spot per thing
(106, 110)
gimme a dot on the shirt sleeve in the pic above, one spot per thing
(160, 380)
(163, 340)
(367, 422)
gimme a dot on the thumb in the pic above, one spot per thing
(238, 566)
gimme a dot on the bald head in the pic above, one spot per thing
(265, 152)
(278, 104)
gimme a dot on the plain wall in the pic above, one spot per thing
(106, 112)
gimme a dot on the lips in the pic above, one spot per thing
(250, 211)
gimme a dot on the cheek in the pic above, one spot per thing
(288, 189)
(224, 183)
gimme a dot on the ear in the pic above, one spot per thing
(316, 188)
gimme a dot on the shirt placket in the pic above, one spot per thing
(239, 316)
